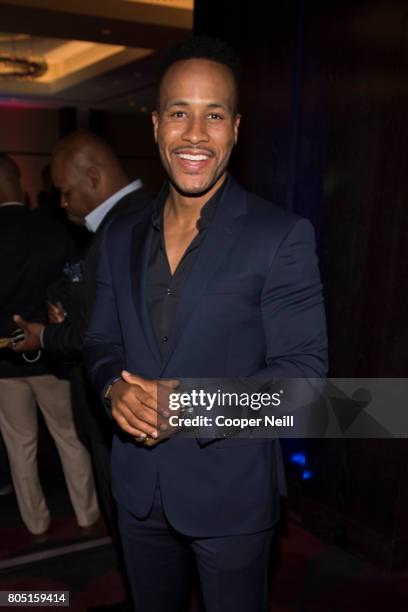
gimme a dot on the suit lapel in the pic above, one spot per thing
(140, 251)
(131, 202)
(220, 237)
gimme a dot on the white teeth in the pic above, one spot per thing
(192, 157)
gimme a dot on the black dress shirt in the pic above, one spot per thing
(164, 289)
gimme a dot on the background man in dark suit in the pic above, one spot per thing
(209, 281)
(94, 189)
(33, 251)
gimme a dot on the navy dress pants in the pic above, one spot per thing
(161, 562)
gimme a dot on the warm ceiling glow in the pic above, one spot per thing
(73, 56)
(69, 62)
(181, 4)
(72, 62)
(9, 38)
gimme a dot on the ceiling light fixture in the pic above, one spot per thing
(19, 67)
(18, 61)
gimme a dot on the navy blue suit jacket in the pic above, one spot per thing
(252, 306)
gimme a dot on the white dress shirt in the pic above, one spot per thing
(95, 217)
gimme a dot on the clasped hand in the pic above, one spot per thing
(141, 407)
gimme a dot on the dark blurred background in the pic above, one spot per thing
(324, 133)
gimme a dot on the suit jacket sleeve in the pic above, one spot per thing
(103, 345)
(293, 318)
(65, 340)
(293, 310)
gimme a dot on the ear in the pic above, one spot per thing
(93, 177)
(155, 121)
(237, 121)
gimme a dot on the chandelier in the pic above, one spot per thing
(18, 64)
(17, 67)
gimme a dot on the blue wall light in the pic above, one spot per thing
(298, 458)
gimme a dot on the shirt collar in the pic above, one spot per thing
(95, 217)
(206, 213)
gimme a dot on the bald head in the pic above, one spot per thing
(87, 172)
(10, 186)
(86, 149)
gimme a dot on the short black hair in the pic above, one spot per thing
(201, 47)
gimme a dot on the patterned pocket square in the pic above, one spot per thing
(74, 271)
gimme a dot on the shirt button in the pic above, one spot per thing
(164, 339)
(168, 291)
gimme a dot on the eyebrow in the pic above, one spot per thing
(211, 105)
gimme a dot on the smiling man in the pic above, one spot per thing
(196, 127)
(210, 281)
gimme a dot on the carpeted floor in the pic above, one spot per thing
(309, 576)
(15, 540)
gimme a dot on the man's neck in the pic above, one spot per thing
(184, 210)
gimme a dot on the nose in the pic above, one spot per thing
(196, 130)
(63, 201)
